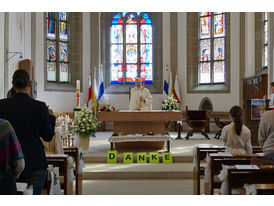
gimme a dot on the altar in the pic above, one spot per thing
(127, 122)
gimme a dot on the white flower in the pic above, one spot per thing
(85, 122)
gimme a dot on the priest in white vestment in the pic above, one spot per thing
(140, 97)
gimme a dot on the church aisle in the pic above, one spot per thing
(138, 187)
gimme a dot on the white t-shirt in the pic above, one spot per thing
(236, 144)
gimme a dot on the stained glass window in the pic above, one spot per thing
(51, 71)
(116, 49)
(131, 47)
(51, 28)
(212, 48)
(265, 47)
(57, 47)
(219, 28)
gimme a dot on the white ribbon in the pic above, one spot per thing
(223, 177)
(70, 169)
(207, 169)
(55, 186)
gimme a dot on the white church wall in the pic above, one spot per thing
(249, 44)
(271, 49)
(221, 102)
(86, 54)
(19, 40)
(2, 32)
(182, 56)
(166, 41)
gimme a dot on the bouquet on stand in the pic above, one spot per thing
(170, 103)
(85, 125)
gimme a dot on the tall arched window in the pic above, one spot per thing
(58, 47)
(131, 47)
(265, 47)
(212, 40)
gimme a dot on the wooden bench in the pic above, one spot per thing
(136, 139)
(200, 155)
(264, 189)
(198, 170)
(238, 177)
(61, 161)
(216, 162)
(74, 152)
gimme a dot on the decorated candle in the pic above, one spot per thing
(77, 84)
(107, 101)
(77, 93)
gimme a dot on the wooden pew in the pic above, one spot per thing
(264, 189)
(61, 161)
(216, 166)
(74, 152)
(198, 170)
(201, 152)
(238, 177)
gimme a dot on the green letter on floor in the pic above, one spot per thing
(142, 157)
(112, 157)
(128, 157)
(154, 157)
(167, 158)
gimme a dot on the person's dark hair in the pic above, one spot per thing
(20, 79)
(11, 92)
(236, 113)
(272, 84)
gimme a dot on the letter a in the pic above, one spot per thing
(128, 157)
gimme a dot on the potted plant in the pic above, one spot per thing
(85, 125)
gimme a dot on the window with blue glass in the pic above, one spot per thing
(131, 47)
(57, 47)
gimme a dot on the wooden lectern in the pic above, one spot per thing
(27, 65)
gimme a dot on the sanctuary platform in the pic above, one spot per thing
(100, 177)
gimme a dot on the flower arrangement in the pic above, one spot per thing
(85, 122)
(170, 103)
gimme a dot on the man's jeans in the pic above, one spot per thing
(36, 178)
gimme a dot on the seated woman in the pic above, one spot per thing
(236, 136)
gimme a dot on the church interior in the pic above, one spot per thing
(86, 63)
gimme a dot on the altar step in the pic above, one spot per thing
(103, 171)
(102, 158)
